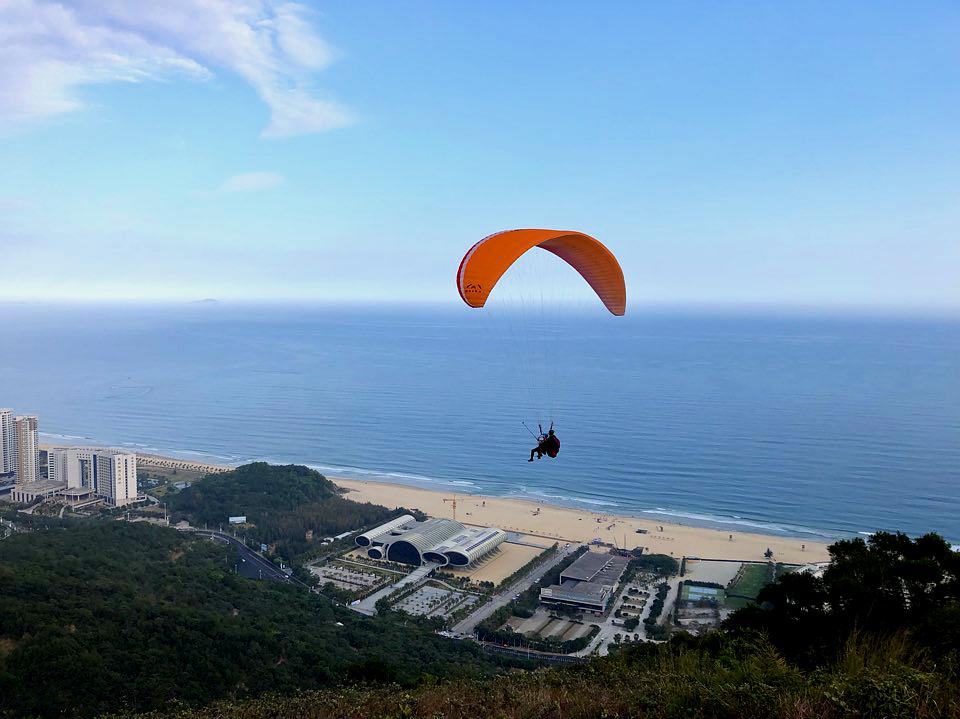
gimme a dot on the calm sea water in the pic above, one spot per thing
(797, 425)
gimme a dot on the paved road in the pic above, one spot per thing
(250, 563)
(670, 600)
(601, 643)
(517, 538)
(467, 625)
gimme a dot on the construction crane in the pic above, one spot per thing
(453, 502)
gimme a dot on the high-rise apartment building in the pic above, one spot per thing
(107, 473)
(66, 466)
(117, 477)
(6, 441)
(26, 453)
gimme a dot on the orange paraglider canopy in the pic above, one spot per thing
(487, 261)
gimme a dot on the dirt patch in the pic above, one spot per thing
(6, 646)
(506, 560)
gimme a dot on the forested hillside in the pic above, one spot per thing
(111, 616)
(878, 637)
(282, 503)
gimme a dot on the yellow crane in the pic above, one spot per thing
(453, 502)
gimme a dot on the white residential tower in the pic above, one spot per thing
(6, 441)
(26, 454)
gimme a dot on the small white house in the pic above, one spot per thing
(238, 520)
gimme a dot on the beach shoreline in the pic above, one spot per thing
(549, 521)
(565, 524)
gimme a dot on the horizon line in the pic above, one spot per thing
(929, 311)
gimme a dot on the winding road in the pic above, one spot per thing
(258, 567)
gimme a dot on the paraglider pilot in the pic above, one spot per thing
(547, 444)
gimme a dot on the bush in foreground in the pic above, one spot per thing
(689, 679)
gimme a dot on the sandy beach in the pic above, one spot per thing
(564, 524)
(575, 525)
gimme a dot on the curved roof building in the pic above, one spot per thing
(440, 541)
(475, 547)
(410, 546)
(368, 538)
(467, 547)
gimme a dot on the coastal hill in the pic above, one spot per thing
(283, 505)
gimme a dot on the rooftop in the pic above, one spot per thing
(40, 485)
(586, 567)
(612, 572)
(572, 590)
(106, 451)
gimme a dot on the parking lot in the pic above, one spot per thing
(348, 577)
(434, 601)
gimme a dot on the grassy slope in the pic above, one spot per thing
(752, 580)
(733, 679)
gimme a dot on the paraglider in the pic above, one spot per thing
(547, 444)
(488, 260)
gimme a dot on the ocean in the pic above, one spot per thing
(810, 426)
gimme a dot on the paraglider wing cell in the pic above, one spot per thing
(487, 261)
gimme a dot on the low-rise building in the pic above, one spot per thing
(588, 583)
(32, 491)
(581, 595)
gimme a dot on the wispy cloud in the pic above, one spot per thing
(251, 182)
(48, 50)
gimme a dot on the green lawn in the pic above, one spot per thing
(168, 476)
(749, 582)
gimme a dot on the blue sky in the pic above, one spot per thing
(802, 154)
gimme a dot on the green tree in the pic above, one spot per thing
(886, 584)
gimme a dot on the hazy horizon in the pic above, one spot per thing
(701, 309)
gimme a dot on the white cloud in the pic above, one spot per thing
(251, 182)
(48, 50)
